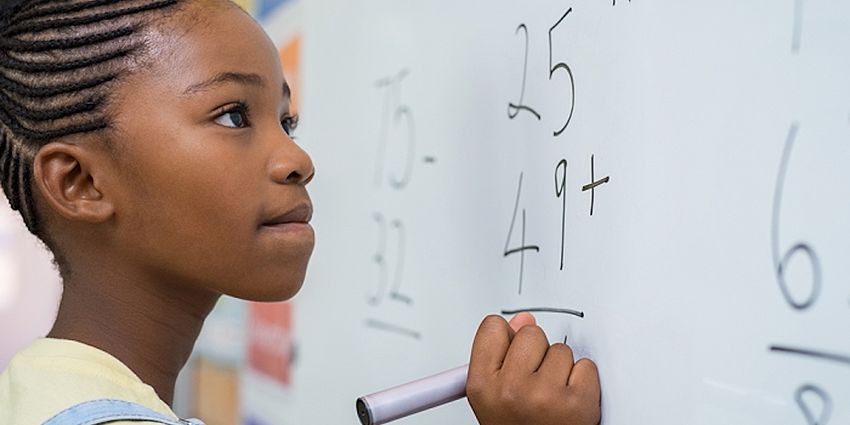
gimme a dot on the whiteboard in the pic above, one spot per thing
(460, 150)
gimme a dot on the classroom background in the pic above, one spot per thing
(666, 182)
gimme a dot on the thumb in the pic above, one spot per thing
(522, 319)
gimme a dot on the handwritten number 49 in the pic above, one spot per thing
(515, 108)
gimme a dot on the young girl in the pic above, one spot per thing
(147, 143)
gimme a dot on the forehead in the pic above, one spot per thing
(204, 42)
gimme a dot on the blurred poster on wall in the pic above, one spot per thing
(223, 339)
(218, 358)
(270, 341)
(262, 9)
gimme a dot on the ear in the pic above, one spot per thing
(67, 179)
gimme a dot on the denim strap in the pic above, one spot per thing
(97, 412)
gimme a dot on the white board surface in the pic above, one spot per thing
(723, 129)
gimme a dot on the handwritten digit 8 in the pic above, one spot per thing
(781, 262)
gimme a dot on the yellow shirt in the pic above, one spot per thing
(53, 374)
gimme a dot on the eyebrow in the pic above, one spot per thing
(232, 77)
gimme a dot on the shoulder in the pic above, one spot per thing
(50, 376)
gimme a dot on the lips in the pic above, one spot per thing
(302, 213)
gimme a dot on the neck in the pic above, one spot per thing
(151, 327)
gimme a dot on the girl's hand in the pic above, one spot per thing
(516, 377)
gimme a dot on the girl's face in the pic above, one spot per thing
(210, 188)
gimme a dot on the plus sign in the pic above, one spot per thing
(593, 184)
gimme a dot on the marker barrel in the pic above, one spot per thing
(413, 397)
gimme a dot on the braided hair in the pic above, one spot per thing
(58, 59)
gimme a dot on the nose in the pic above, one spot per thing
(289, 164)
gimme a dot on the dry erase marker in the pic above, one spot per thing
(412, 397)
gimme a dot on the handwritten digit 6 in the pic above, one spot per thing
(781, 261)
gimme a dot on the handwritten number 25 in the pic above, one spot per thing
(515, 108)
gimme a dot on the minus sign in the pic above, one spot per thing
(567, 311)
(429, 159)
(817, 354)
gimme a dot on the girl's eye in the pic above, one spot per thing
(234, 118)
(289, 124)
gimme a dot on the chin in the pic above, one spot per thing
(274, 287)
(271, 278)
(283, 292)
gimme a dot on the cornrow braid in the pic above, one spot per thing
(28, 25)
(65, 43)
(33, 12)
(48, 91)
(58, 60)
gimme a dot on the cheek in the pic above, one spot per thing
(197, 200)
(194, 219)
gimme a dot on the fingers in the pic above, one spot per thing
(522, 319)
(584, 381)
(490, 346)
(557, 365)
(516, 376)
(526, 352)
